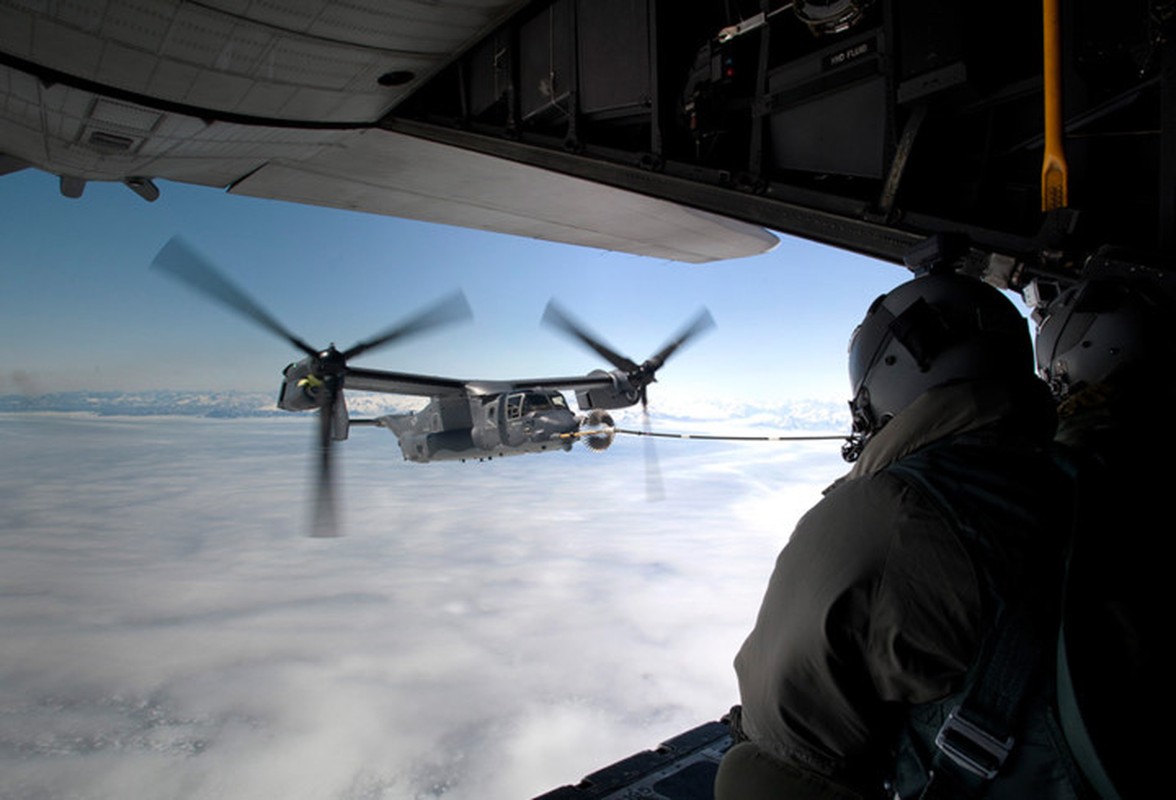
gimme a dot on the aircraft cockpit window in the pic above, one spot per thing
(543, 401)
(514, 406)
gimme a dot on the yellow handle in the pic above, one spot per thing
(1054, 174)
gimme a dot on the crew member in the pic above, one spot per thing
(1105, 347)
(888, 590)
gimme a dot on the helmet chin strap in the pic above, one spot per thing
(864, 426)
(854, 446)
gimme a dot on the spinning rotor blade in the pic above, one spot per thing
(701, 323)
(639, 376)
(555, 317)
(181, 261)
(454, 308)
(324, 501)
(654, 490)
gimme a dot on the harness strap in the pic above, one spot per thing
(1077, 733)
(972, 745)
(974, 741)
(1084, 755)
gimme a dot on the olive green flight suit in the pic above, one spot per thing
(876, 606)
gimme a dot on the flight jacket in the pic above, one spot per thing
(875, 605)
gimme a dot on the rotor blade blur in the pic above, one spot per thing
(450, 309)
(178, 259)
(556, 318)
(654, 490)
(324, 500)
(701, 323)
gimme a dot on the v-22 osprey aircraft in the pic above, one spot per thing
(482, 419)
(464, 419)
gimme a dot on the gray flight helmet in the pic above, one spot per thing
(934, 330)
(1100, 328)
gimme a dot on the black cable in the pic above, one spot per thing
(729, 438)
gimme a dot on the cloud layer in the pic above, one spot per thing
(485, 630)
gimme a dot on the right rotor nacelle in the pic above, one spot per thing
(621, 394)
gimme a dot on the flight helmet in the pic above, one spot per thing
(934, 330)
(1098, 328)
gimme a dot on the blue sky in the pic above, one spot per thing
(81, 309)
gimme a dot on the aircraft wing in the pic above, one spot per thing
(597, 380)
(284, 100)
(371, 380)
(404, 176)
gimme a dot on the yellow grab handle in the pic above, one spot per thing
(1054, 174)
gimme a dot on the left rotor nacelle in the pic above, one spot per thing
(302, 389)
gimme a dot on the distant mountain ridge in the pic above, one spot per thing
(804, 415)
(185, 404)
(154, 403)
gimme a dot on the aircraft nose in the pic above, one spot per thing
(552, 423)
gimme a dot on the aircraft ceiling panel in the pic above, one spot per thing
(72, 131)
(388, 173)
(308, 60)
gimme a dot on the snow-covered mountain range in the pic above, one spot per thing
(802, 415)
